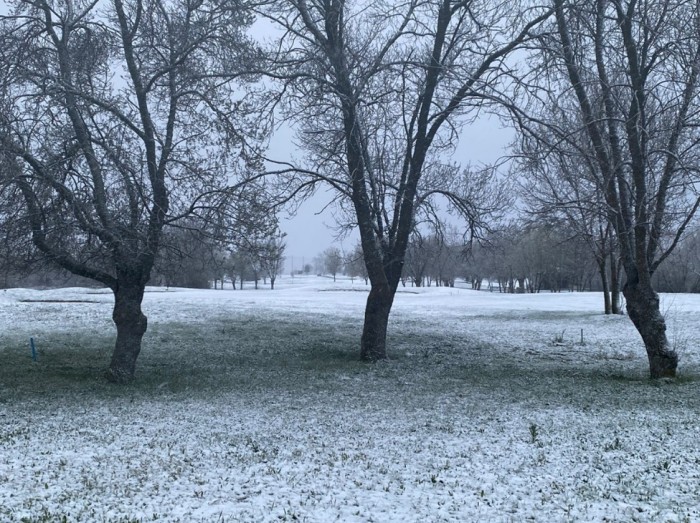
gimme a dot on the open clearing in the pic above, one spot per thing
(252, 406)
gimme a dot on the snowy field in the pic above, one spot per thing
(252, 406)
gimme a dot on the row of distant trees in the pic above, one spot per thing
(525, 258)
(189, 259)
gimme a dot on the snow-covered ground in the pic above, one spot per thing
(251, 406)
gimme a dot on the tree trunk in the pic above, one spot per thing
(272, 284)
(615, 285)
(131, 326)
(379, 302)
(604, 281)
(643, 309)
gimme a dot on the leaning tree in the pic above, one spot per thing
(615, 83)
(378, 92)
(118, 118)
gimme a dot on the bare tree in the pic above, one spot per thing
(562, 190)
(681, 271)
(118, 118)
(354, 264)
(622, 76)
(17, 255)
(270, 252)
(379, 91)
(418, 258)
(188, 257)
(250, 232)
(332, 261)
(238, 266)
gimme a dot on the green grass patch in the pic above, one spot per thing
(292, 354)
(224, 354)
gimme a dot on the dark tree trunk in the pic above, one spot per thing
(604, 281)
(643, 310)
(379, 302)
(272, 284)
(131, 326)
(615, 285)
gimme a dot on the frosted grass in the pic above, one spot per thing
(252, 406)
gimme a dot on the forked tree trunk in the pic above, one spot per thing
(131, 326)
(379, 302)
(643, 309)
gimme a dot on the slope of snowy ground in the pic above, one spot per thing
(251, 406)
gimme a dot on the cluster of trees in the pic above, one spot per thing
(430, 260)
(681, 270)
(517, 258)
(530, 259)
(258, 259)
(191, 259)
(123, 120)
(435, 259)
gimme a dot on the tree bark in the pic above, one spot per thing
(131, 326)
(602, 268)
(379, 302)
(615, 285)
(643, 309)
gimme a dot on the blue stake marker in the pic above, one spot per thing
(31, 342)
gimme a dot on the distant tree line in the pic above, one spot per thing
(523, 258)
